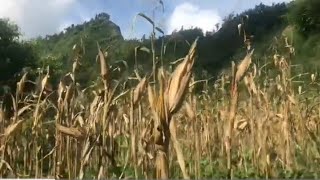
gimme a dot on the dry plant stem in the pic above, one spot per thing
(162, 139)
(197, 135)
(232, 113)
(195, 129)
(141, 122)
(153, 55)
(253, 132)
(36, 128)
(237, 75)
(166, 104)
(133, 137)
(178, 150)
(105, 120)
(162, 164)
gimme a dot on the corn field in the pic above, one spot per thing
(257, 121)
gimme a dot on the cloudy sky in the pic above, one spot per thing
(42, 17)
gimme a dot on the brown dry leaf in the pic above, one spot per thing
(138, 91)
(178, 149)
(22, 110)
(80, 120)
(12, 128)
(69, 94)
(21, 83)
(151, 97)
(94, 104)
(74, 132)
(241, 124)
(223, 114)
(313, 77)
(254, 70)
(161, 110)
(85, 155)
(248, 80)
(74, 66)
(2, 115)
(300, 90)
(103, 65)
(3, 162)
(44, 82)
(126, 118)
(292, 100)
(279, 116)
(243, 66)
(101, 174)
(190, 111)
(61, 89)
(179, 80)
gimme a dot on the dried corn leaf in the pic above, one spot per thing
(279, 116)
(313, 77)
(73, 132)
(243, 66)
(74, 66)
(94, 104)
(44, 82)
(103, 65)
(21, 84)
(3, 162)
(150, 97)
(178, 149)
(11, 129)
(22, 110)
(138, 91)
(242, 124)
(145, 49)
(190, 111)
(292, 100)
(179, 80)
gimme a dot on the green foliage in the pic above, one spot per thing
(305, 16)
(215, 49)
(14, 54)
(57, 50)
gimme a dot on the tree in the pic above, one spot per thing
(305, 16)
(14, 54)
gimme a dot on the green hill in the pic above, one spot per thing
(215, 50)
(57, 50)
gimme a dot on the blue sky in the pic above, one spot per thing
(42, 17)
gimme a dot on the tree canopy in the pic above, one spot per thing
(14, 54)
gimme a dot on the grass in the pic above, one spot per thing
(249, 124)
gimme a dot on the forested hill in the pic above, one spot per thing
(215, 49)
(59, 47)
(99, 29)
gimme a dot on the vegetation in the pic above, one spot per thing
(14, 55)
(138, 111)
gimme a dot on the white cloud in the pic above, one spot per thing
(36, 17)
(189, 15)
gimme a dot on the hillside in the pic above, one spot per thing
(216, 49)
(99, 29)
(57, 50)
